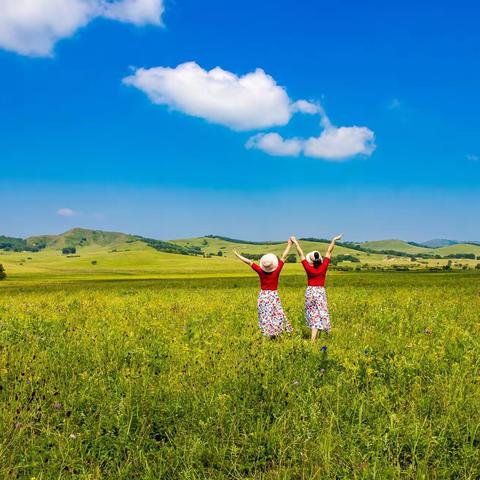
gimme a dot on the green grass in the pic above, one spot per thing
(138, 260)
(171, 379)
(397, 245)
(401, 246)
(102, 255)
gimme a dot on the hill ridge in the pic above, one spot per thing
(82, 237)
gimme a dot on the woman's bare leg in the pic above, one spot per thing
(314, 334)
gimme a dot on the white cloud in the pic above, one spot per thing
(66, 212)
(334, 143)
(247, 102)
(306, 107)
(138, 12)
(472, 157)
(274, 144)
(33, 27)
(339, 143)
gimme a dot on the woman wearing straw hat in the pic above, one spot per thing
(271, 317)
(316, 307)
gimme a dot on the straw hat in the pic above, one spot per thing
(311, 257)
(269, 262)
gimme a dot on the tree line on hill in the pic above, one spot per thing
(246, 242)
(12, 244)
(21, 245)
(168, 247)
(396, 253)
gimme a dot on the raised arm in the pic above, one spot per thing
(285, 253)
(332, 245)
(299, 248)
(243, 259)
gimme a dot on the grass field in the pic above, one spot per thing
(171, 379)
(105, 255)
(401, 246)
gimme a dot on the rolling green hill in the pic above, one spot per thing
(213, 245)
(400, 246)
(118, 255)
(439, 242)
(81, 237)
(458, 248)
(396, 245)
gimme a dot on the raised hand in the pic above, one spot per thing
(338, 237)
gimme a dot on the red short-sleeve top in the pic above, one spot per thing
(268, 281)
(316, 276)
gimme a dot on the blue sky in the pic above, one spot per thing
(74, 135)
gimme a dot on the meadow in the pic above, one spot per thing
(171, 379)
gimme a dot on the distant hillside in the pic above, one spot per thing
(395, 245)
(12, 244)
(80, 237)
(439, 242)
(83, 237)
(216, 245)
(222, 246)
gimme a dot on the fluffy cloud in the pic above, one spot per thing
(274, 144)
(306, 107)
(247, 102)
(32, 27)
(66, 212)
(138, 12)
(339, 143)
(334, 143)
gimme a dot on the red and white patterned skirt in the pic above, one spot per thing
(316, 308)
(271, 317)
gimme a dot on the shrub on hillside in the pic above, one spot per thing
(3, 273)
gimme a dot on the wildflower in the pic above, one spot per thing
(324, 348)
(73, 436)
(322, 371)
(57, 405)
(296, 382)
(18, 426)
(428, 331)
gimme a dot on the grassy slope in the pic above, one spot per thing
(122, 258)
(82, 236)
(401, 246)
(459, 248)
(214, 245)
(398, 245)
(130, 259)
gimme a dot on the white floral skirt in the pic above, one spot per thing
(271, 317)
(316, 308)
